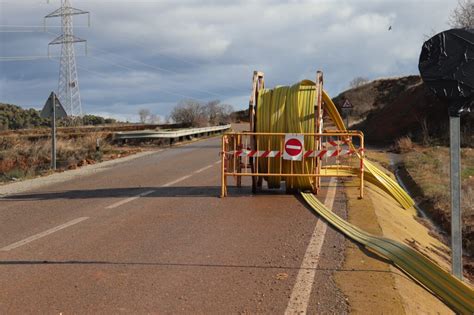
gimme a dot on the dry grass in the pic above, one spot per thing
(404, 145)
(429, 168)
(21, 158)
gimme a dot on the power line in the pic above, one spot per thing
(158, 88)
(22, 58)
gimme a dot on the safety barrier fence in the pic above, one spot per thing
(300, 159)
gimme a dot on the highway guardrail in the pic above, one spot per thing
(161, 134)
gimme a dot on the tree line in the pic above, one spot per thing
(14, 117)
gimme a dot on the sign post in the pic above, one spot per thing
(347, 109)
(456, 218)
(447, 71)
(53, 109)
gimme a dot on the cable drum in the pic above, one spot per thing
(287, 110)
(291, 110)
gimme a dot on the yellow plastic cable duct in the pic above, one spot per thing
(452, 291)
(384, 181)
(291, 110)
(285, 109)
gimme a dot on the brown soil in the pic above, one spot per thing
(370, 286)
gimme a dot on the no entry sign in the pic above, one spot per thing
(293, 147)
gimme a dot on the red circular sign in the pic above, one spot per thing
(293, 147)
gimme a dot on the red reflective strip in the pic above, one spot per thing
(336, 153)
(333, 143)
(322, 153)
(308, 153)
(252, 153)
(265, 154)
(238, 153)
(278, 154)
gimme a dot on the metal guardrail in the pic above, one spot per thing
(158, 134)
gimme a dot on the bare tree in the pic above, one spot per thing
(218, 113)
(358, 81)
(196, 114)
(154, 119)
(190, 112)
(144, 114)
(463, 15)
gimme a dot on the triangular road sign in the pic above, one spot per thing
(347, 105)
(47, 111)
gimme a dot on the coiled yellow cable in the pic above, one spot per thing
(291, 110)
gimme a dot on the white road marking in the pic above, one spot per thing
(124, 201)
(119, 203)
(42, 234)
(218, 162)
(203, 169)
(301, 293)
(176, 181)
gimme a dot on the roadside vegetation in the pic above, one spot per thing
(23, 158)
(428, 167)
(14, 117)
(196, 114)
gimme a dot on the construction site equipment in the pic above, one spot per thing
(338, 157)
(305, 108)
(452, 291)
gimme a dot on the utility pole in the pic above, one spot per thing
(68, 86)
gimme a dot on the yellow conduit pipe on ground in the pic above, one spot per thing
(452, 291)
(291, 110)
(384, 181)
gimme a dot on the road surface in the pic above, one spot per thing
(150, 235)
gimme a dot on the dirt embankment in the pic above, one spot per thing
(426, 172)
(389, 109)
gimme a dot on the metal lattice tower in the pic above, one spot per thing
(68, 87)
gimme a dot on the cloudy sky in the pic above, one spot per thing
(152, 54)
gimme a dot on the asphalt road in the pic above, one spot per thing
(150, 235)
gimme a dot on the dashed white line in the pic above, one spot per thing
(124, 201)
(203, 169)
(119, 203)
(176, 181)
(42, 234)
(301, 293)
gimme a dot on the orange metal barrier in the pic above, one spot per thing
(338, 153)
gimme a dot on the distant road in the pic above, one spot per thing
(150, 235)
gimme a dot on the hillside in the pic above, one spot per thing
(13, 117)
(388, 109)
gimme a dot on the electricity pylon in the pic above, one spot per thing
(68, 86)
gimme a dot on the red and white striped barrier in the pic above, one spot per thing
(307, 154)
(332, 143)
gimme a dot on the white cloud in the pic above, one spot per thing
(213, 46)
